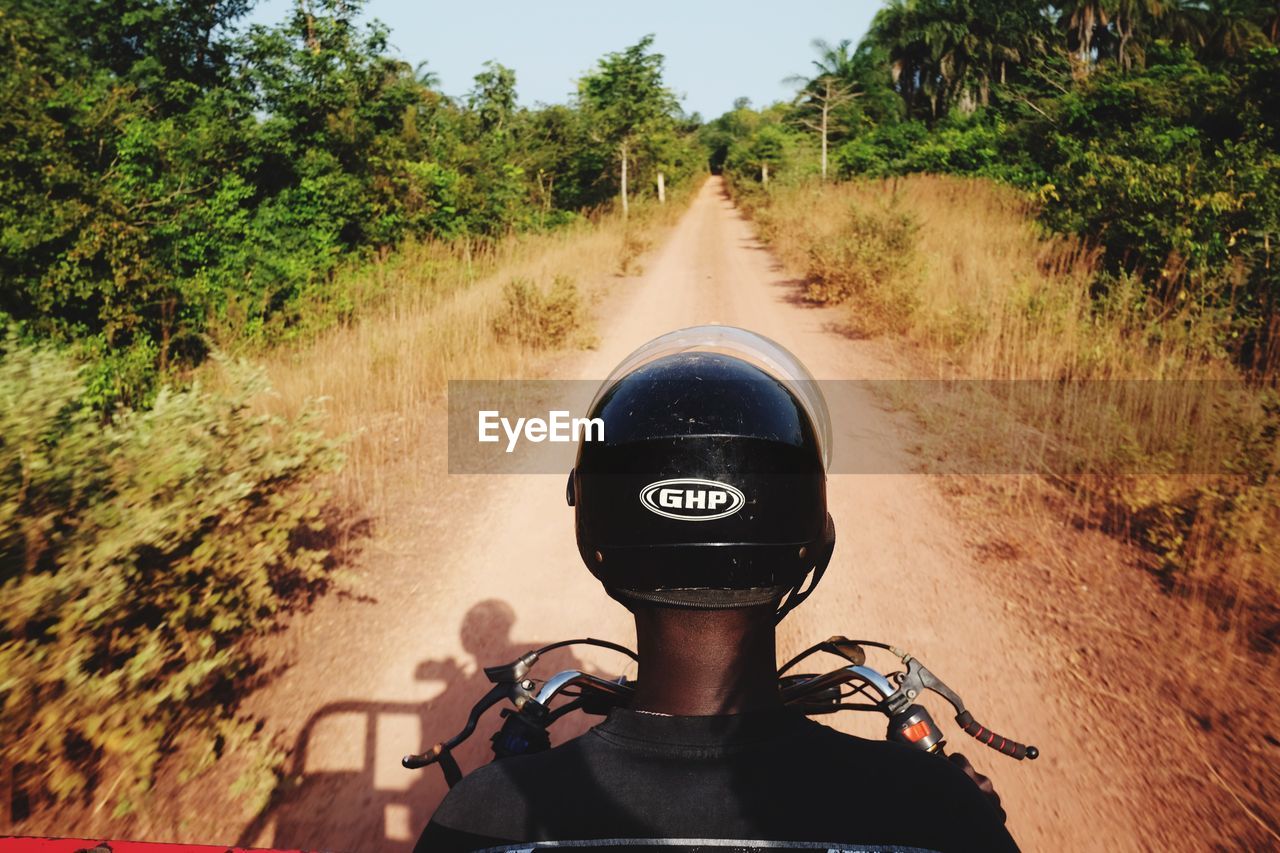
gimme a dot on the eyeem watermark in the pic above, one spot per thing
(558, 427)
(975, 426)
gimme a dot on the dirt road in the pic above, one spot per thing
(485, 567)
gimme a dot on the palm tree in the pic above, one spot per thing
(835, 60)
(1130, 17)
(921, 45)
(895, 29)
(949, 52)
(958, 49)
(950, 46)
(1008, 36)
(987, 37)
(1186, 22)
(427, 78)
(1083, 19)
(1269, 20)
(1233, 29)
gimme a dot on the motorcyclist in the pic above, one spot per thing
(703, 511)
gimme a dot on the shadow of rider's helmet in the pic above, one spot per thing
(708, 489)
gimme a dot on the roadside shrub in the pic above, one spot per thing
(634, 244)
(978, 144)
(880, 152)
(138, 558)
(871, 259)
(1228, 520)
(536, 318)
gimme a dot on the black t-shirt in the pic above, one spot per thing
(773, 780)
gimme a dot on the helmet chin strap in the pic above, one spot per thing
(799, 592)
(804, 588)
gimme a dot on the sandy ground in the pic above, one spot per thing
(476, 569)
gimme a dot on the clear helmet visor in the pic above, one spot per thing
(751, 347)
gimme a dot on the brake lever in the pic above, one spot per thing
(441, 752)
(918, 679)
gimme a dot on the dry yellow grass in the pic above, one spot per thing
(984, 294)
(424, 316)
(1181, 467)
(988, 294)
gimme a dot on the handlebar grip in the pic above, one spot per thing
(416, 762)
(438, 754)
(999, 743)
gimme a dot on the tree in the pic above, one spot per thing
(832, 88)
(494, 97)
(1269, 21)
(1084, 20)
(719, 135)
(426, 78)
(934, 51)
(904, 34)
(1130, 17)
(767, 148)
(626, 101)
(121, 132)
(171, 180)
(764, 151)
(1009, 38)
(1233, 27)
(662, 149)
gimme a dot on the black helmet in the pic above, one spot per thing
(708, 488)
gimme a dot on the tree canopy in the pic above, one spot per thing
(170, 177)
(1149, 127)
(626, 102)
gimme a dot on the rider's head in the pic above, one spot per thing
(708, 490)
(487, 623)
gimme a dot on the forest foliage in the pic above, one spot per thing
(172, 180)
(1150, 129)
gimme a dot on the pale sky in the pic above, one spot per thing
(716, 50)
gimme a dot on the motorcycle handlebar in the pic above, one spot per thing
(891, 695)
(577, 678)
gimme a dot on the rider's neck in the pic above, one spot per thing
(696, 663)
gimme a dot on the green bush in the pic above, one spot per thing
(978, 144)
(1175, 174)
(882, 151)
(137, 560)
(537, 318)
